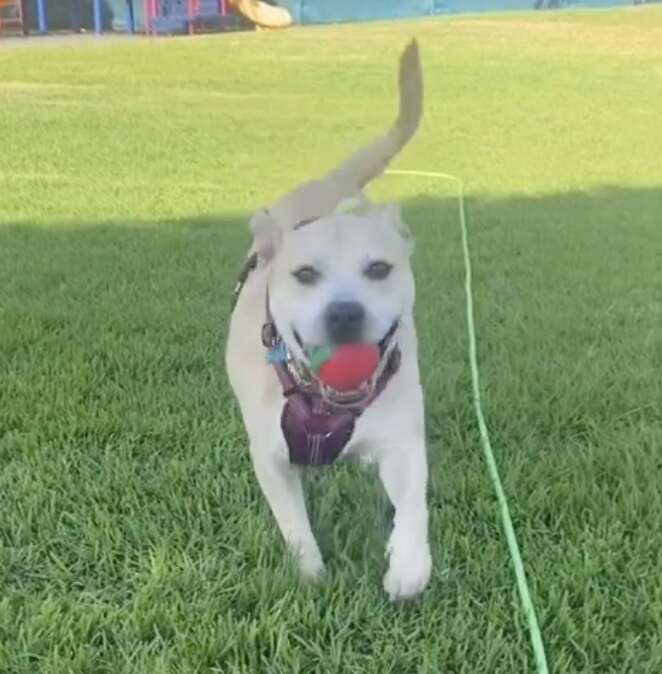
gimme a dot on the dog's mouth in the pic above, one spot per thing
(306, 369)
(381, 344)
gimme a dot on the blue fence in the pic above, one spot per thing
(336, 11)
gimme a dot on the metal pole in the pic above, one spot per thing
(131, 19)
(41, 16)
(97, 17)
(25, 18)
(190, 11)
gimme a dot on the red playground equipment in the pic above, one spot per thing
(183, 16)
(12, 14)
(165, 16)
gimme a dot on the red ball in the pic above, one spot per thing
(349, 366)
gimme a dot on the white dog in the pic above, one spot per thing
(328, 268)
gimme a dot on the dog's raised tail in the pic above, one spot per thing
(370, 162)
(319, 198)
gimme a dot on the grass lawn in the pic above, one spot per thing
(133, 536)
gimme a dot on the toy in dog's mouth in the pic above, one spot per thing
(344, 368)
(345, 374)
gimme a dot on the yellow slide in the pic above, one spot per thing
(262, 14)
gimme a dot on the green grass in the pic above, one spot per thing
(133, 537)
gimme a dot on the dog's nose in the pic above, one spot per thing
(344, 322)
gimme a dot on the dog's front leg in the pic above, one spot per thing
(403, 471)
(281, 484)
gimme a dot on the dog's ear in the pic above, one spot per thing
(266, 235)
(391, 216)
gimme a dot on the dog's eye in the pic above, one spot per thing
(378, 271)
(306, 275)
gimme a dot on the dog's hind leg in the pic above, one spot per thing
(403, 471)
(281, 484)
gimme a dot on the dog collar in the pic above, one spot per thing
(318, 422)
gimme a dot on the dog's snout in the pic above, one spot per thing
(344, 321)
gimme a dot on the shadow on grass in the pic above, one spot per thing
(557, 277)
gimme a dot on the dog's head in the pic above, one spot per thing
(341, 278)
(337, 277)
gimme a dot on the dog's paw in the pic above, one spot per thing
(408, 572)
(309, 561)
